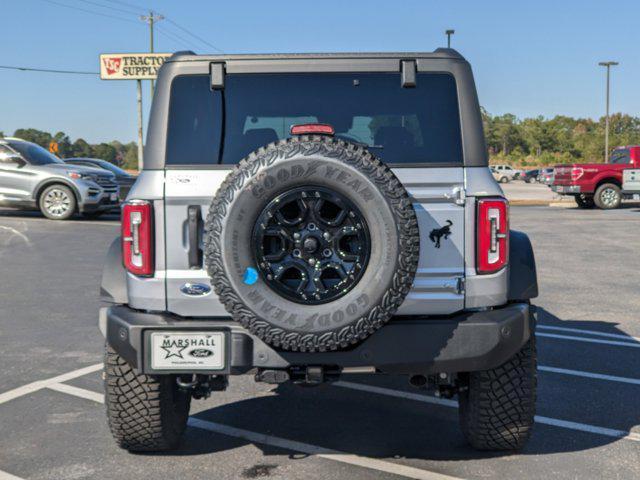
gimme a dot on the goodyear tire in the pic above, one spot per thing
(341, 313)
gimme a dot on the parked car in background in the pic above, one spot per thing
(598, 184)
(546, 176)
(125, 180)
(503, 173)
(631, 184)
(529, 176)
(33, 178)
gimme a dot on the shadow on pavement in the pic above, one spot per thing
(380, 426)
(77, 218)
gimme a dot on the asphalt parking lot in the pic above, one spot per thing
(53, 425)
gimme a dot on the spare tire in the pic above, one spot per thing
(311, 243)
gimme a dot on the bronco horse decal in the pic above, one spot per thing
(439, 233)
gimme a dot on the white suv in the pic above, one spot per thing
(503, 173)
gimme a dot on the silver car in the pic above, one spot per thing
(33, 178)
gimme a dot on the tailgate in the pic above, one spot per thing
(562, 175)
(438, 201)
(631, 181)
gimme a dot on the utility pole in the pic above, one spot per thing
(151, 19)
(606, 120)
(449, 33)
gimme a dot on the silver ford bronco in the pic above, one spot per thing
(302, 218)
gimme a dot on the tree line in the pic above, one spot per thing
(535, 141)
(124, 155)
(540, 141)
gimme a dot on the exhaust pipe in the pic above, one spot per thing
(418, 381)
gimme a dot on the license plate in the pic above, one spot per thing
(560, 189)
(636, 196)
(113, 197)
(188, 351)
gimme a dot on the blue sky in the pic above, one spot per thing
(529, 58)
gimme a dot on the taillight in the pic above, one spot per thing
(576, 173)
(492, 242)
(137, 237)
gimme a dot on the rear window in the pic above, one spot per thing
(400, 125)
(620, 156)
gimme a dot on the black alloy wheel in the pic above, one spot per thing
(312, 245)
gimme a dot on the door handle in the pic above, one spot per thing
(194, 221)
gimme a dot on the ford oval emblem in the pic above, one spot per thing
(195, 289)
(200, 353)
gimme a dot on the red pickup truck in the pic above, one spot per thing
(598, 184)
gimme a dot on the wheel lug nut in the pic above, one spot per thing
(311, 226)
(327, 236)
(312, 261)
(296, 253)
(296, 235)
(326, 252)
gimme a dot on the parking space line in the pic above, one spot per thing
(8, 476)
(264, 439)
(588, 332)
(588, 340)
(78, 392)
(366, 462)
(40, 384)
(598, 376)
(556, 422)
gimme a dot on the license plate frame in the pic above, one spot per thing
(180, 351)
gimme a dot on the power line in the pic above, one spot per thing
(130, 5)
(116, 9)
(175, 37)
(130, 12)
(73, 7)
(194, 35)
(46, 70)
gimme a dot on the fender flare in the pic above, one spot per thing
(522, 277)
(113, 288)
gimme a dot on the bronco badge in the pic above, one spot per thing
(439, 233)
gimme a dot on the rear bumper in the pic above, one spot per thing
(631, 194)
(467, 342)
(566, 189)
(100, 203)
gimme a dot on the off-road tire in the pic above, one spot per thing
(584, 201)
(71, 209)
(600, 201)
(234, 203)
(497, 409)
(146, 413)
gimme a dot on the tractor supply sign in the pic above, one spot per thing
(131, 66)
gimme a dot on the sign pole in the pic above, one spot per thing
(140, 147)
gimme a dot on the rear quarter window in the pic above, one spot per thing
(402, 126)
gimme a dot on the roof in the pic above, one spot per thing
(440, 53)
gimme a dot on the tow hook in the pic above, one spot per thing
(201, 386)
